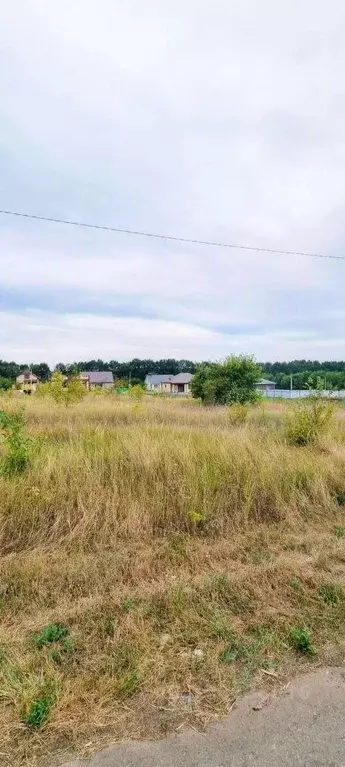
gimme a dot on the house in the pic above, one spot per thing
(169, 384)
(181, 383)
(27, 382)
(265, 386)
(158, 383)
(94, 379)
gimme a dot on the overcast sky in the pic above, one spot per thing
(220, 120)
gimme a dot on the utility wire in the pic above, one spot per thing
(156, 236)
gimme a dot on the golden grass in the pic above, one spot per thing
(178, 549)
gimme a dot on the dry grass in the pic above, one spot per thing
(177, 550)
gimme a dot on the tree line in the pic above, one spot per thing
(303, 371)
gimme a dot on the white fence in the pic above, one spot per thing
(298, 393)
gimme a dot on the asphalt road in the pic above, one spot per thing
(302, 727)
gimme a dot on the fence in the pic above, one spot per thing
(299, 393)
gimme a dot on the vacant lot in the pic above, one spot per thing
(157, 559)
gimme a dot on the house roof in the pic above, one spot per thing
(99, 376)
(182, 378)
(157, 379)
(265, 382)
(27, 377)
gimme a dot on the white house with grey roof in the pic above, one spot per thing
(169, 384)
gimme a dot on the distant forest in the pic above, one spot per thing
(303, 371)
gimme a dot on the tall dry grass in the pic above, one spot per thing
(159, 534)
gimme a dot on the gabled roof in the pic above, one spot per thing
(182, 378)
(153, 379)
(265, 382)
(98, 376)
(27, 377)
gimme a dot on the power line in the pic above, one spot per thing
(156, 236)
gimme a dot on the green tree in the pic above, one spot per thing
(63, 392)
(42, 370)
(227, 382)
(5, 383)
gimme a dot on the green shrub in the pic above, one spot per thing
(63, 391)
(17, 443)
(301, 640)
(38, 712)
(231, 381)
(51, 633)
(309, 421)
(340, 532)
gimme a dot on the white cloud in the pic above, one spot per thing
(34, 336)
(224, 123)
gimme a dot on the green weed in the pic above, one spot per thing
(17, 443)
(38, 712)
(130, 683)
(295, 584)
(51, 633)
(339, 532)
(331, 593)
(128, 604)
(301, 640)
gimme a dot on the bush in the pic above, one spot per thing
(309, 421)
(137, 392)
(17, 443)
(228, 382)
(5, 383)
(238, 413)
(63, 392)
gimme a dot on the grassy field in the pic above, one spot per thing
(158, 559)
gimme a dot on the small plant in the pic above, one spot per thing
(137, 392)
(295, 584)
(229, 654)
(310, 420)
(128, 604)
(331, 593)
(16, 441)
(236, 649)
(195, 517)
(339, 532)
(130, 683)
(54, 632)
(301, 640)
(238, 413)
(38, 712)
(340, 498)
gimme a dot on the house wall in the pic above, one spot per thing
(175, 388)
(102, 386)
